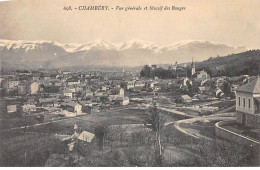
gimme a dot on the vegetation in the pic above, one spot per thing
(246, 63)
(156, 121)
(161, 73)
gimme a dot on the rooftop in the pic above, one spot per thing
(251, 87)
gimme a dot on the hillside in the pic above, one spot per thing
(245, 63)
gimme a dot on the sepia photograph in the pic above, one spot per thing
(129, 83)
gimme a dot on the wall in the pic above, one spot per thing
(231, 136)
(252, 120)
(247, 96)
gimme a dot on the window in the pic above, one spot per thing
(249, 103)
(244, 102)
(239, 101)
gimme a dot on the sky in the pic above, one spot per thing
(232, 22)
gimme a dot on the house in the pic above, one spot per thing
(128, 85)
(248, 104)
(48, 102)
(118, 91)
(122, 100)
(173, 67)
(11, 85)
(234, 87)
(86, 136)
(157, 88)
(218, 93)
(71, 88)
(184, 99)
(50, 89)
(86, 108)
(202, 89)
(36, 76)
(73, 82)
(72, 107)
(202, 75)
(34, 88)
(10, 106)
(29, 108)
(149, 85)
(68, 93)
(13, 109)
(139, 84)
(23, 88)
(66, 72)
(99, 94)
(103, 88)
(88, 93)
(46, 76)
(220, 81)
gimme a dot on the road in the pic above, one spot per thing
(175, 112)
(218, 117)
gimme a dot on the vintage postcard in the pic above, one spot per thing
(129, 83)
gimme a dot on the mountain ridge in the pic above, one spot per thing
(129, 53)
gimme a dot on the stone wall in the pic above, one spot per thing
(252, 120)
(232, 136)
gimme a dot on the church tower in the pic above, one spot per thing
(193, 70)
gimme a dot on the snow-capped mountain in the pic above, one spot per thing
(129, 53)
(138, 44)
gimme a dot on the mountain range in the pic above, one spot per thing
(51, 54)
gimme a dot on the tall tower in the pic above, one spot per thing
(193, 70)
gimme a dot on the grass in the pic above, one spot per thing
(134, 149)
(224, 104)
(244, 130)
(204, 128)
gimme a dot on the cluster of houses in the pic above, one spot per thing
(90, 91)
(78, 92)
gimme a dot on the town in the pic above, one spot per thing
(70, 118)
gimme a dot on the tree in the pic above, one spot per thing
(156, 121)
(226, 88)
(189, 88)
(100, 133)
(145, 71)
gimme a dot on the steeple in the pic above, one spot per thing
(193, 70)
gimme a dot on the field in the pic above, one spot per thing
(127, 143)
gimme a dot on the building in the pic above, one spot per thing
(248, 104)
(193, 69)
(130, 85)
(68, 93)
(48, 102)
(73, 82)
(29, 108)
(185, 99)
(118, 91)
(173, 67)
(73, 107)
(22, 88)
(36, 76)
(34, 88)
(13, 109)
(11, 85)
(202, 75)
(122, 101)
